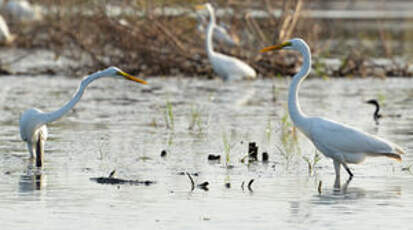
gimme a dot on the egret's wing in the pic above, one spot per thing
(339, 138)
(233, 67)
(221, 35)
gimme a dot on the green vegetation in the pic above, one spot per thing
(227, 148)
(196, 119)
(169, 116)
(312, 163)
(289, 140)
(268, 131)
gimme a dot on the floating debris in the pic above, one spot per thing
(143, 158)
(164, 153)
(265, 157)
(203, 186)
(227, 185)
(87, 169)
(117, 181)
(212, 157)
(112, 180)
(252, 152)
(184, 173)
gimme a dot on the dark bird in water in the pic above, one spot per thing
(376, 115)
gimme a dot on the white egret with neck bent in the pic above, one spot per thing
(33, 122)
(228, 68)
(342, 143)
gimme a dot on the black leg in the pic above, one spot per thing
(348, 170)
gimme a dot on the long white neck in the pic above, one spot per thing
(210, 30)
(294, 108)
(52, 116)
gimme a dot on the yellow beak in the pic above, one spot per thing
(275, 47)
(132, 78)
(200, 7)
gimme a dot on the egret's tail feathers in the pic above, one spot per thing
(399, 150)
(393, 155)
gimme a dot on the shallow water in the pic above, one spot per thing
(120, 125)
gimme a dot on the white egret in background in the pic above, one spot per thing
(228, 68)
(5, 36)
(33, 122)
(376, 115)
(342, 143)
(21, 10)
(220, 33)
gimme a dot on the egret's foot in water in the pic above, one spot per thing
(337, 186)
(337, 183)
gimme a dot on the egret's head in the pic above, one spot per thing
(116, 72)
(207, 6)
(292, 44)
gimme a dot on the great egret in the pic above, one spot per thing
(342, 143)
(33, 122)
(376, 115)
(220, 33)
(228, 68)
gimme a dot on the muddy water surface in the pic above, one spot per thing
(123, 126)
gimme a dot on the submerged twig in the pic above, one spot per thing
(319, 187)
(192, 181)
(249, 185)
(111, 174)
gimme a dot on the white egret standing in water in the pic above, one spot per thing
(33, 122)
(342, 143)
(228, 68)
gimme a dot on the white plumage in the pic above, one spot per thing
(5, 36)
(339, 141)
